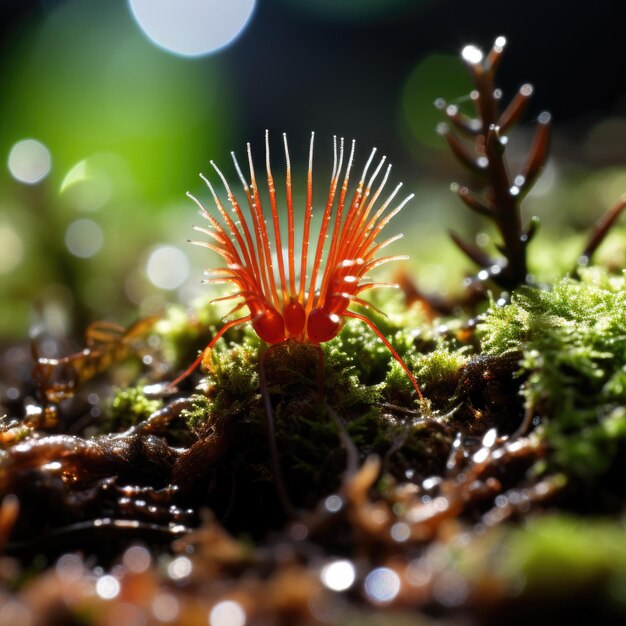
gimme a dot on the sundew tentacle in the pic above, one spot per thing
(275, 221)
(290, 223)
(308, 210)
(321, 240)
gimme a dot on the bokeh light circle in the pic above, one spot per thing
(29, 161)
(338, 575)
(108, 587)
(83, 238)
(192, 27)
(167, 267)
(165, 607)
(179, 568)
(382, 585)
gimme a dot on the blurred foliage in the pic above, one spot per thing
(128, 127)
(86, 81)
(550, 557)
(561, 552)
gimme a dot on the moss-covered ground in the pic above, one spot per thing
(300, 485)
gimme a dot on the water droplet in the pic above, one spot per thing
(430, 483)
(490, 437)
(526, 90)
(472, 54)
(481, 455)
(500, 42)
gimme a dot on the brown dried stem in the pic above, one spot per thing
(600, 231)
(482, 151)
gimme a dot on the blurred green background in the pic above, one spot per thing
(109, 110)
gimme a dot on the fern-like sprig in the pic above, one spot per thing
(479, 143)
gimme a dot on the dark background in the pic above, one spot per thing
(297, 68)
(299, 65)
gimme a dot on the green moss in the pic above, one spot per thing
(129, 407)
(574, 351)
(558, 552)
(442, 366)
(231, 387)
(557, 556)
(367, 357)
(351, 382)
(197, 416)
(315, 392)
(234, 371)
(181, 333)
(435, 357)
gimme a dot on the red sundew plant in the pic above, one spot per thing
(280, 306)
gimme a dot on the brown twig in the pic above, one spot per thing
(600, 231)
(482, 151)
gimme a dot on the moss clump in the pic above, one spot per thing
(129, 407)
(439, 371)
(197, 415)
(234, 371)
(574, 350)
(350, 384)
(231, 389)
